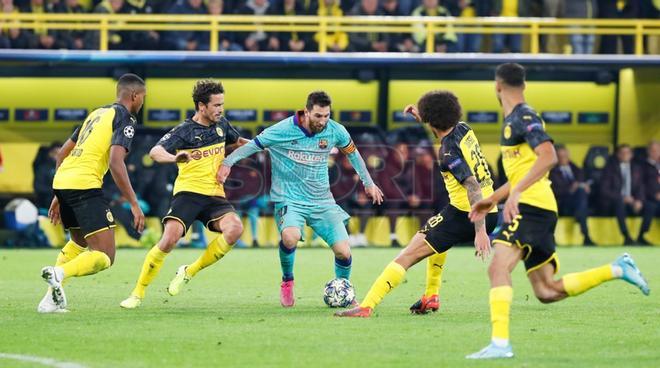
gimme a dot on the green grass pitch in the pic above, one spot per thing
(229, 315)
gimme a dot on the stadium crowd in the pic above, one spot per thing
(403, 163)
(44, 38)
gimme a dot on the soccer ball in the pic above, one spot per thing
(338, 293)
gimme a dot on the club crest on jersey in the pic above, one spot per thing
(219, 131)
(108, 216)
(323, 143)
(507, 131)
(129, 132)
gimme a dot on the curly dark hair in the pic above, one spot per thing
(512, 74)
(204, 89)
(318, 98)
(440, 109)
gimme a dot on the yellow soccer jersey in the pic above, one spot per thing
(523, 131)
(206, 146)
(88, 162)
(461, 157)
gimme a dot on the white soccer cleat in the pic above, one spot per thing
(54, 276)
(178, 281)
(131, 302)
(48, 305)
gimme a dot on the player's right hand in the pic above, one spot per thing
(412, 110)
(138, 218)
(481, 209)
(375, 194)
(223, 173)
(54, 211)
(482, 244)
(182, 157)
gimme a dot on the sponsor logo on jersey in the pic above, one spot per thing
(305, 157)
(199, 154)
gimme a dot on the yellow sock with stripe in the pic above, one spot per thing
(216, 249)
(435, 264)
(579, 282)
(500, 308)
(391, 277)
(150, 269)
(70, 251)
(87, 263)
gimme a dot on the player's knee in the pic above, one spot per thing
(168, 241)
(290, 238)
(232, 231)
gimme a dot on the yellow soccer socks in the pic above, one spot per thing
(579, 282)
(216, 249)
(70, 251)
(500, 308)
(86, 263)
(391, 277)
(150, 268)
(435, 264)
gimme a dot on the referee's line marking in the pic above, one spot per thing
(43, 361)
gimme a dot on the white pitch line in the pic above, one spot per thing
(44, 361)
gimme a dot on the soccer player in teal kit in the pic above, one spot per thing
(299, 148)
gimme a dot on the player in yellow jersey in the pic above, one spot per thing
(197, 146)
(530, 216)
(101, 142)
(467, 180)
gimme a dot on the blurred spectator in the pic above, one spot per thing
(618, 9)
(295, 41)
(510, 8)
(652, 177)
(552, 9)
(396, 181)
(42, 37)
(140, 40)
(259, 40)
(226, 40)
(402, 42)
(70, 38)
(426, 181)
(622, 191)
(583, 9)
(92, 39)
(571, 191)
(44, 171)
(443, 42)
(185, 40)
(346, 188)
(337, 41)
(471, 42)
(368, 41)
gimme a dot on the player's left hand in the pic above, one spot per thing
(480, 209)
(375, 194)
(482, 244)
(511, 207)
(138, 218)
(412, 110)
(182, 157)
(54, 211)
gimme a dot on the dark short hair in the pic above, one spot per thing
(318, 98)
(512, 74)
(622, 146)
(440, 109)
(129, 80)
(204, 89)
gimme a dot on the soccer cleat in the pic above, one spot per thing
(179, 280)
(54, 277)
(425, 305)
(286, 294)
(631, 273)
(492, 351)
(363, 312)
(47, 304)
(131, 302)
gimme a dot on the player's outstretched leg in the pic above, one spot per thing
(153, 262)
(70, 251)
(391, 277)
(430, 301)
(231, 229)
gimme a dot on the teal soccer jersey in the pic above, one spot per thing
(300, 160)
